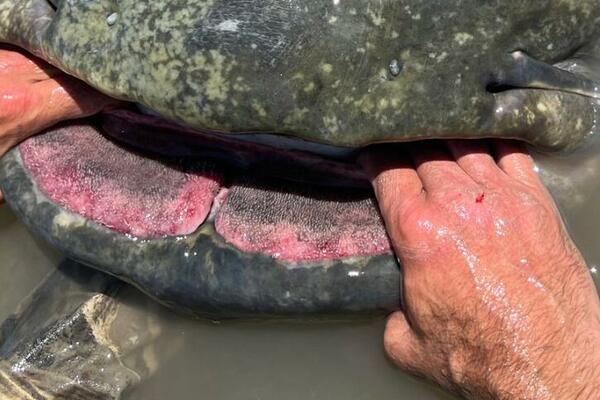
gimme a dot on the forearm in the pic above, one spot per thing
(580, 383)
(561, 365)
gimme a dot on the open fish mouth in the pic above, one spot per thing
(162, 178)
(254, 224)
(286, 197)
(236, 184)
(171, 209)
(212, 229)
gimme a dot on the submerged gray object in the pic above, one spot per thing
(75, 338)
(347, 73)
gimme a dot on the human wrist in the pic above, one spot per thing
(556, 379)
(562, 360)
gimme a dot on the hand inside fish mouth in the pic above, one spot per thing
(227, 186)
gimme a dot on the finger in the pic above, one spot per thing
(15, 65)
(475, 158)
(402, 344)
(1, 198)
(394, 178)
(69, 98)
(515, 161)
(45, 104)
(436, 168)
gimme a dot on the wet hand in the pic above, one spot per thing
(498, 302)
(35, 96)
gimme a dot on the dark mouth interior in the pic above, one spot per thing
(234, 186)
(155, 135)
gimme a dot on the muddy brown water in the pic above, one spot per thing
(291, 359)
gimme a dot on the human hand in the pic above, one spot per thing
(498, 302)
(35, 96)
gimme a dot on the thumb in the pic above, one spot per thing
(402, 344)
(65, 98)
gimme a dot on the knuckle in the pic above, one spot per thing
(410, 214)
(483, 171)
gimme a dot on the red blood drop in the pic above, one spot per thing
(479, 198)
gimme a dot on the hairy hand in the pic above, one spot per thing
(498, 302)
(35, 96)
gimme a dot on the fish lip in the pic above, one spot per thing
(566, 119)
(550, 106)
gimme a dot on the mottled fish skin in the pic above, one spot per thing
(343, 72)
(201, 274)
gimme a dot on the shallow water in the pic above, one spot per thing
(24, 262)
(290, 360)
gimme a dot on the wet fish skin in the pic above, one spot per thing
(347, 73)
